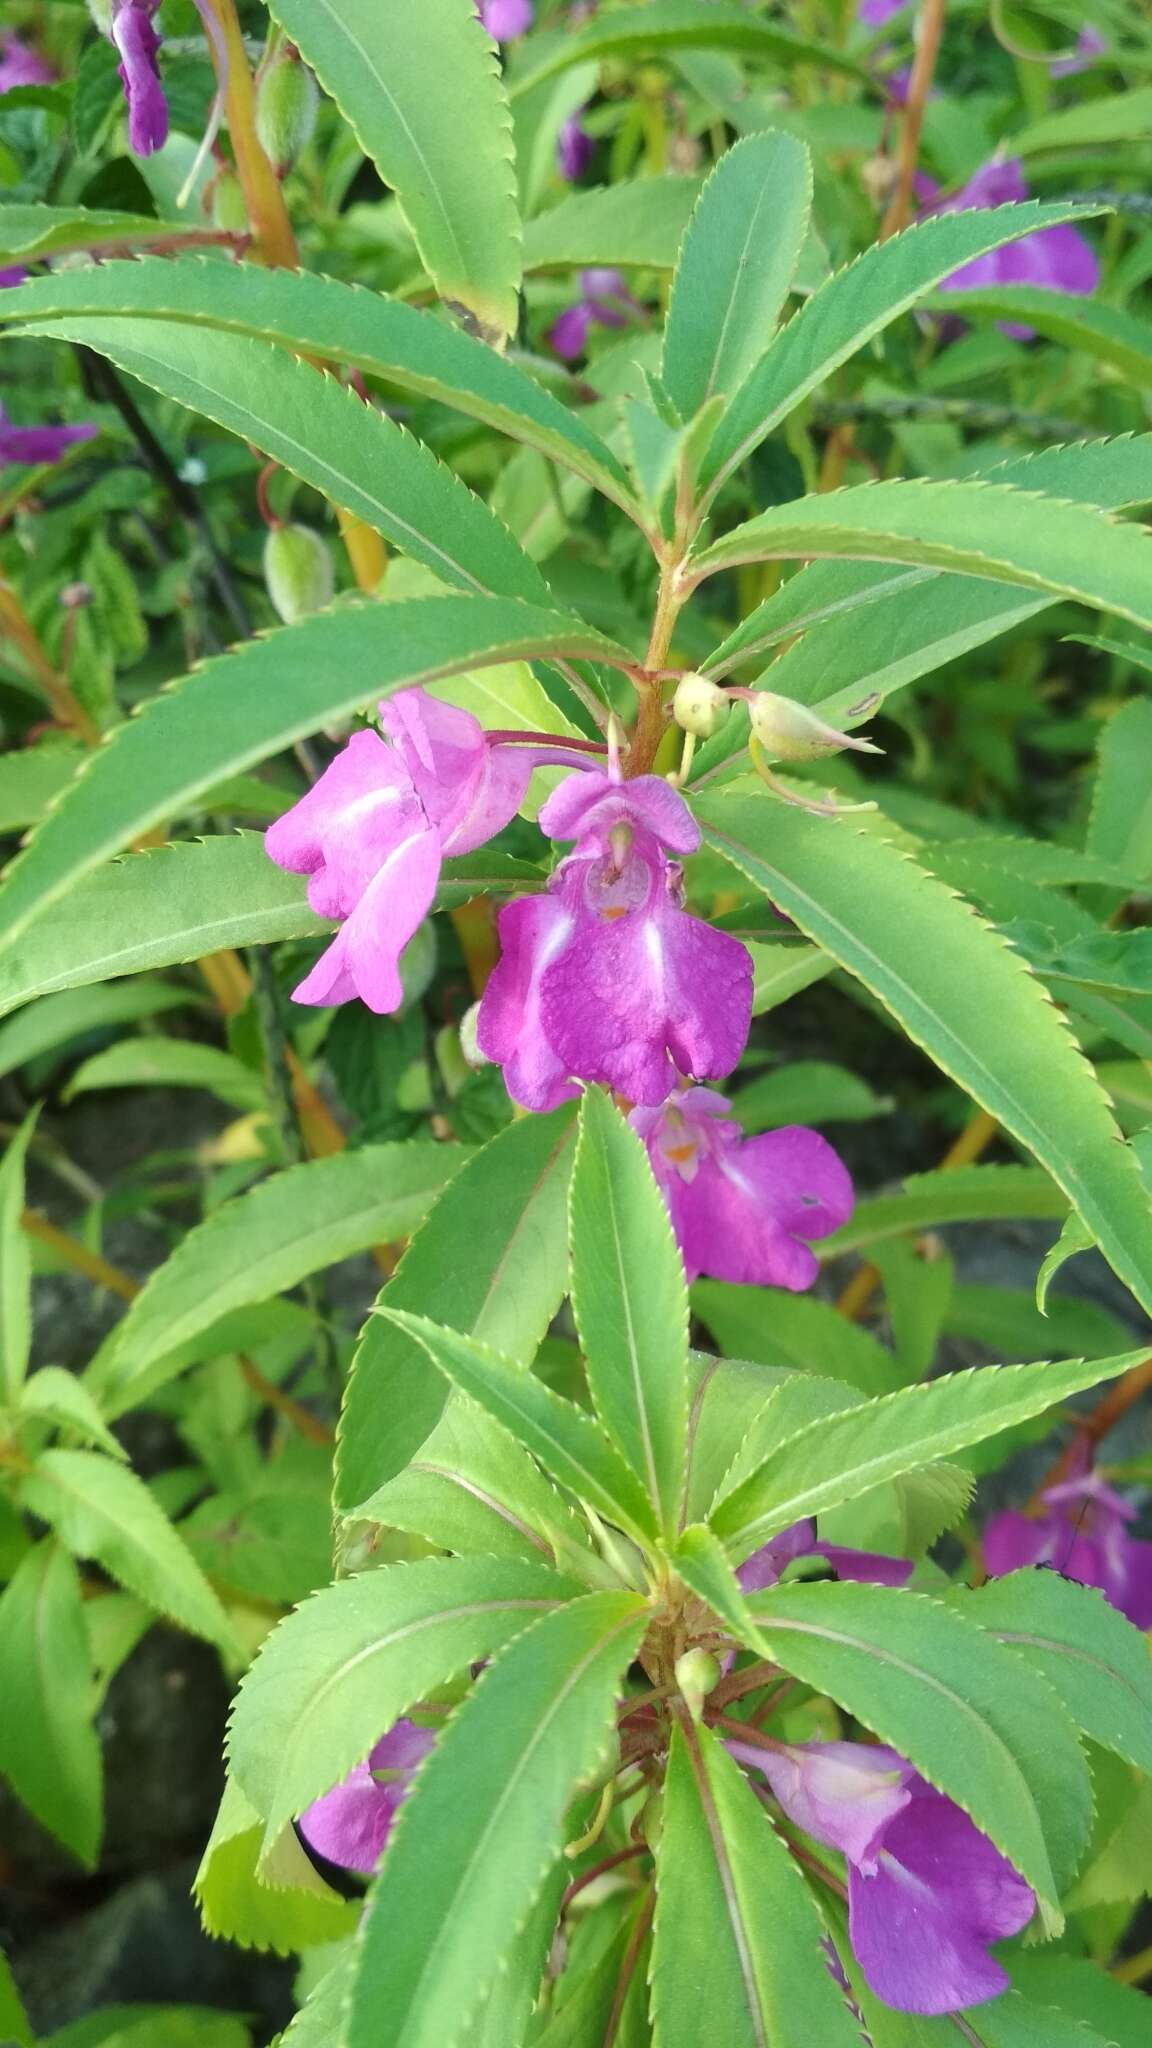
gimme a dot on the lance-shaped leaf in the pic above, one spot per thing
(484, 1822)
(559, 1435)
(1090, 1655)
(967, 1194)
(701, 1561)
(48, 1748)
(491, 1257)
(15, 1265)
(56, 1396)
(29, 233)
(631, 1304)
(681, 25)
(422, 90)
(249, 703)
(1120, 824)
(839, 1458)
(855, 304)
(735, 268)
(635, 225)
(335, 1675)
(342, 323)
(101, 1510)
(51, 1025)
(261, 1243)
(968, 1712)
(1090, 1994)
(734, 1913)
(959, 992)
(982, 529)
(1107, 333)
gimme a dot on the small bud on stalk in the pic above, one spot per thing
(297, 571)
(229, 210)
(700, 706)
(788, 731)
(697, 1672)
(287, 98)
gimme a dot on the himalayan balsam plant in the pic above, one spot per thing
(637, 1699)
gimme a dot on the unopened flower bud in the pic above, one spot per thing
(696, 1673)
(469, 1040)
(699, 706)
(788, 731)
(297, 571)
(286, 101)
(229, 210)
(101, 12)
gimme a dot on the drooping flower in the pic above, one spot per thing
(743, 1209)
(573, 151)
(133, 30)
(927, 1892)
(372, 832)
(868, 1567)
(21, 65)
(1083, 1535)
(350, 1824)
(604, 301)
(1090, 44)
(1053, 259)
(39, 444)
(607, 977)
(505, 20)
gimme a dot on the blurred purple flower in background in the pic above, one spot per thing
(506, 19)
(21, 65)
(1090, 44)
(743, 1209)
(573, 149)
(927, 1892)
(604, 301)
(1083, 1535)
(350, 1824)
(866, 1567)
(39, 444)
(1055, 259)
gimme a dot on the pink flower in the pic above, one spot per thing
(372, 832)
(505, 20)
(1084, 1536)
(20, 65)
(927, 1892)
(743, 1209)
(607, 978)
(350, 1825)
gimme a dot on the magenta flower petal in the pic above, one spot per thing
(573, 150)
(534, 931)
(592, 802)
(135, 36)
(845, 1794)
(874, 13)
(921, 1918)
(350, 1824)
(21, 65)
(1083, 1536)
(363, 959)
(1090, 44)
(765, 1565)
(506, 19)
(350, 821)
(39, 444)
(568, 333)
(865, 1567)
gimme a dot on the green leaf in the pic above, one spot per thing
(349, 1662)
(971, 1716)
(736, 266)
(681, 25)
(1086, 1993)
(700, 1560)
(979, 528)
(262, 1243)
(491, 1257)
(734, 1913)
(780, 971)
(793, 1331)
(483, 1823)
(57, 1020)
(15, 2026)
(340, 323)
(30, 233)
(101, 1510)
(57, 1396)
(1120, 826)
(248, 704)
(559, 1435)
(1117, 117)
(857, 303)
(138, 2026)
(968, 1194)
(1091, 1656)
(1110, 960)
(31, 777)
(48, 1749)
(1106, 333)
(319, 2019)
(422, 92)
(635, 225)
(157, 1062)
(323, 433)
(960, 993)
(286, 1907)
(1005, 1321)
(840, 1458)
(15, 1264)
(630, 1301)
(806, 1091)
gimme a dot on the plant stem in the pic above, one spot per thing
(919, 87)
(628, 1967)
(606, 1863)
(15, 625)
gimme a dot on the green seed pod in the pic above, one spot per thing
(788, 731)
(286, 102)
(228, 208)
(696, 1673)
(700, 706)
(297, 571)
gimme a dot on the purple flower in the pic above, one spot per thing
(743, 1209)
(1054, 259)
(607, 978)
(874, 13)
(927, 1892)
(506, 19)
(869, 1567)
(39, 444)
(137, 39)
(350, 1825)
(573, 154)
(1090, 44)
(20, 65)
(372, 832)
(604, 301)
(1084, 1536)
